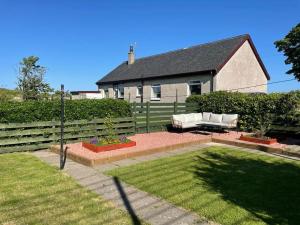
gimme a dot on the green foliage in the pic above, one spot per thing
(31, 79)
(110, 137)
(32, 111)
(8, 95)
(290, 46)
(250, 107)
(265, 121)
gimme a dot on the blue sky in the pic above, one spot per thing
(80, 41)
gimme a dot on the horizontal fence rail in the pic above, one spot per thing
(157, 116)
(146, 117)
(32, 136)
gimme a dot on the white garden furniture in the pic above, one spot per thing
(194, 120)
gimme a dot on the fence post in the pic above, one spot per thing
(147, 117)
(134, 116)
(53, 131)
(175, 107)
(95, 127)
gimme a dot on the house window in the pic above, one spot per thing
(106, 93)
(195, 87)
(121, 92)
(118, 91)
(155, 92)
(139, 91)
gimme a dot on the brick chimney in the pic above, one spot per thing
(131, 55)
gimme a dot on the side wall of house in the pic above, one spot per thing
(171, 88)
(242, 70)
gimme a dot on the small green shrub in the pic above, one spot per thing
(32, 111)
(250, 107)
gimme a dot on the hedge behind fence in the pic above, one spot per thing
(251, 106)
(32, 111)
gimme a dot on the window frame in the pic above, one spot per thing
(138, 94)
(154, 98)
(119, 87)
(106, 93)
(194, 83)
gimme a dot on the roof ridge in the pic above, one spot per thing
(193, 46)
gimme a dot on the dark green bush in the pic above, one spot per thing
(249, 106)
(32, 111)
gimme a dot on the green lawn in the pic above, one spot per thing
(32, 192)
(224, 185)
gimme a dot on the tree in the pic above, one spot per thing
(290, 46)
(31, 79)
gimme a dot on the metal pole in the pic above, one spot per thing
(62, 116)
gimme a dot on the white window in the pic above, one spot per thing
(139, 91)
(118, 91)
(194, 87)
(155, 92)
(105, 93)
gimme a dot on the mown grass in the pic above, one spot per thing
(32, 192)
(224, 185)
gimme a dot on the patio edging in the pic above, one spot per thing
(97, 161)
(92, 163)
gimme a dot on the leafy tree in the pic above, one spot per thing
(290, 46)
(31, 79)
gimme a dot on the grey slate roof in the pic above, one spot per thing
(200, 58)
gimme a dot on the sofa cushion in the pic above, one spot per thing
(224, 125)
(189, 117)
(215, 118)
(206, 116)
(189, 124)
(230, 118)
(198, 116)
(194, 117)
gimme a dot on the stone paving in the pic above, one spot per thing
(137, 203)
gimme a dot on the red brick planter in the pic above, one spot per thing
(258, 140)
(105, 148)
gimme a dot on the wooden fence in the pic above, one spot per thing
(32, 136)
(147, 117)
(157, 116)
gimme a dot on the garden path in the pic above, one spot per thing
(137, 203)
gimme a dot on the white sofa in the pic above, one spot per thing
(183, 121)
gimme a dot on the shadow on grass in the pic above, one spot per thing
(270, 191)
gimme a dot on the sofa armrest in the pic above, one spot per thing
(233, 123)
(176, 123)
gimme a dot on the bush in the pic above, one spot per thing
(9, 95)
(250, 107)
(32, 111)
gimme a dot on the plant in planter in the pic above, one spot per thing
(264, 124)
(110, 140)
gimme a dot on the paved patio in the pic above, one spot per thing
(151, 143)
(145, 144)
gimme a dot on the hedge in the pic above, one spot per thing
(32, 111)
(251, 106)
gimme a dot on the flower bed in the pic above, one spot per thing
(266, 141)
(103, 148)
(108, 144)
